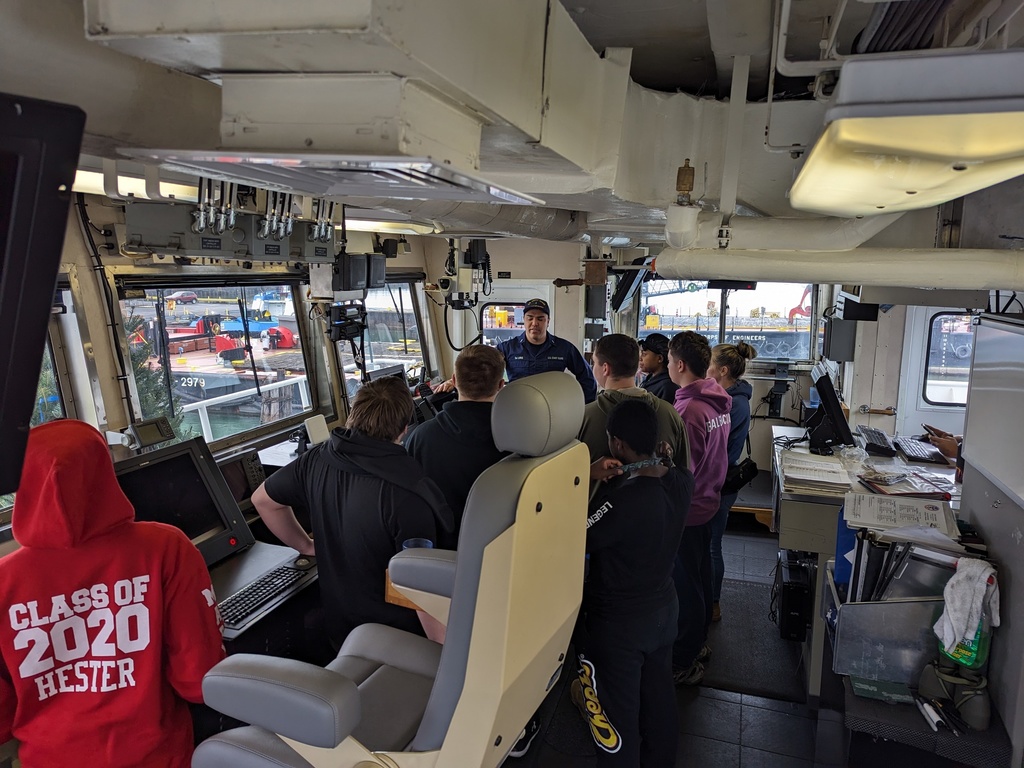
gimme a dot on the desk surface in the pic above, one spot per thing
(852, 468)
(280, 455)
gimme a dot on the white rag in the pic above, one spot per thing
(965, 596)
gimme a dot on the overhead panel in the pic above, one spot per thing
(338, 175)
(348, 114)
(584, 96)
(465, 50)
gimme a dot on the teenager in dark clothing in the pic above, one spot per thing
(366, 496)
(728, 364)
(635, 523)
(654, 363)
(457, 445)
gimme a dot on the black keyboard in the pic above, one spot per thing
(916, 450)
(876, 441)
(247, 601)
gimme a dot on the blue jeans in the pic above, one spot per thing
(718, 523)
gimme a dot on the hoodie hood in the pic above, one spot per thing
(708, 391)
(468, 422)
(68, 492)
(741, 388)
(354, 451)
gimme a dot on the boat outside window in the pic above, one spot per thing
(216, 361)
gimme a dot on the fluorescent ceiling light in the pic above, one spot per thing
(388, 227)
(912, 133)
(91, 183)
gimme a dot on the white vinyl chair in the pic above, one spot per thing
(509, 598)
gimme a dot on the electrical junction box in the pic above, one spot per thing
(850, 307)
(166, 228)
(839, 340)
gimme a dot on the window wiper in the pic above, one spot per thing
(248, 342)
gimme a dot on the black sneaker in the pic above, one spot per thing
(525, 739)
(691, 676)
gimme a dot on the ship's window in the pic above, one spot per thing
(948, 367)
(501, 322)
(396, 334)
(48, 406)
(217, 361)
(775, 318)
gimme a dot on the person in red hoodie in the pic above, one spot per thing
(704, 407)
(107, 625)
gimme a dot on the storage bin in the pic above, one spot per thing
(890, 640)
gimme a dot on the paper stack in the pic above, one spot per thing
(863, 510)
(809, 473)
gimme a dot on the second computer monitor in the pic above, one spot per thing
(828, 426)
(398, 371)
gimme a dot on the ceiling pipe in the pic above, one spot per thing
(960, 268)
(687, 228)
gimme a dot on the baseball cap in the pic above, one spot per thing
(538, 304)
(656, 343)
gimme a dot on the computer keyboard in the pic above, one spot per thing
(916, 450)
(876, 441)
(247, 601)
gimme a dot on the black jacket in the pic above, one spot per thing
(661, 385)
(453, 449)
(365, 498)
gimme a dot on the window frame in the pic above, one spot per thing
(927, 361)
(813, 330)
(196, 283)
(413, 282)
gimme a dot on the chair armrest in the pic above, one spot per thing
(301, 701)
(425, 570)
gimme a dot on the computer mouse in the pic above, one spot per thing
(304, 562)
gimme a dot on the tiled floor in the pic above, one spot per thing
(721, 729)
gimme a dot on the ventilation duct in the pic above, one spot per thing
(688, 227)
(964, 268)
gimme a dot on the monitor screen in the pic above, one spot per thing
(398, 371)
(39, 143)
(182, 486)
(243, 475)
(828, 425)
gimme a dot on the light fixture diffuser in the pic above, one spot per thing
(913, 133)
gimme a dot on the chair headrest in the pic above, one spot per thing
(537, 415)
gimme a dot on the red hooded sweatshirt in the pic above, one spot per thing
(107, 626)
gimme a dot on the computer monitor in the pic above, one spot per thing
(828, 426)
(398, 371)
(181, 485)
(243, 475)
(39, 143)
